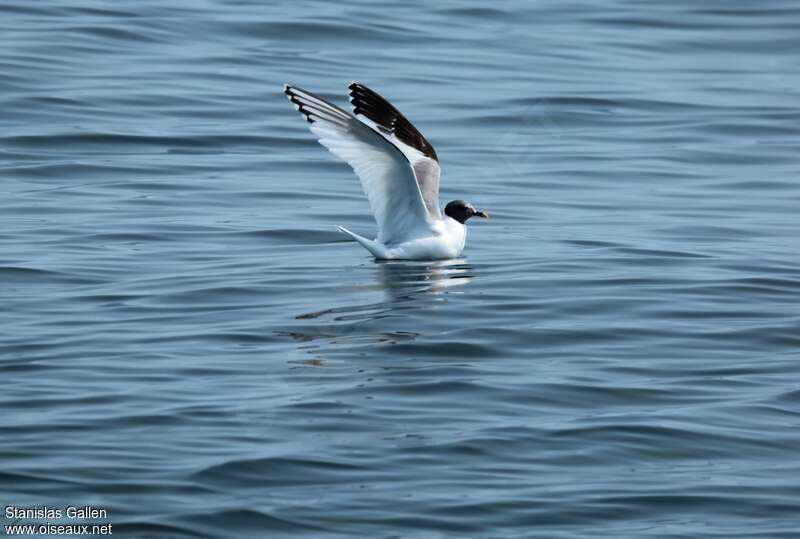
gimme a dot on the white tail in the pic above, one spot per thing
(376, 249)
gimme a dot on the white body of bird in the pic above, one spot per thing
(446, 241)
(399, 172)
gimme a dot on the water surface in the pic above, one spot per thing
(190, 344)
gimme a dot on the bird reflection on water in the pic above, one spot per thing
(405, 281)
(405, 287)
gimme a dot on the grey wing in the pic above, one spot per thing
(380, 115)
(385, 173)
(427, 172)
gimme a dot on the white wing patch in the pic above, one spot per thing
(385, 172)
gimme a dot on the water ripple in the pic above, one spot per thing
(189, 343)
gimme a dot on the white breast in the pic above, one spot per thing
(447, 241)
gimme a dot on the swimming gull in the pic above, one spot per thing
(399, 172)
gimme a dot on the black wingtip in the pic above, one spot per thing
(357, 88)
(288, 89)
(367, 102)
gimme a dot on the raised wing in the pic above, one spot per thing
(374, 110)
(384, 171)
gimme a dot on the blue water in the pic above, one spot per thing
(188, 342)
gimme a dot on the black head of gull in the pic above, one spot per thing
(461, 210)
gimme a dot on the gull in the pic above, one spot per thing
(399, 172)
